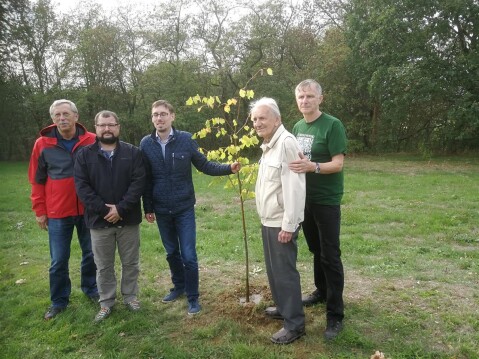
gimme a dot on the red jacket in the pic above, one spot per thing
(51, 174)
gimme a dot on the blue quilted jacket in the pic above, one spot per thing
(169, 186)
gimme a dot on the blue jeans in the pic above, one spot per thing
(321, 229)
(60, 232)
(178, 234)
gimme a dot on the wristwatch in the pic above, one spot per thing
(317, 168)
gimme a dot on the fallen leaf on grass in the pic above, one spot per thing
(378, 355)
(21, 281)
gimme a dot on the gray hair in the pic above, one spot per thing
(266, 101)
(61, 102)
(309, 83)
(105, 114)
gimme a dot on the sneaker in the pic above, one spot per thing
(194, 307)
(285, 336)
(102, 314)
(52, 312)
(173, 295)
(273, 313)
(333, 328)
(313, 298)
(134, 305)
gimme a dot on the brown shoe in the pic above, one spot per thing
(285, 336)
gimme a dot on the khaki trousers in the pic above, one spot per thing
(104, 242)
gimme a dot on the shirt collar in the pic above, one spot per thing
(169, 136)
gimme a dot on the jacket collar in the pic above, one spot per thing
(51, 131)
(274, 139)
(175, 133)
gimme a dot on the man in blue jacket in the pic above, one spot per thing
(110, 179)
(170, 197)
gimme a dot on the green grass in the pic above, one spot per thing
(410, 238)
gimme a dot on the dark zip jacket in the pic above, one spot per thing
(119, 181)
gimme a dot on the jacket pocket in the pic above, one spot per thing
(180, 161)
(272, 171)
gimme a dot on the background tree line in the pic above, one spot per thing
(403, 75)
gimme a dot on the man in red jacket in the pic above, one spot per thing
(56, 205)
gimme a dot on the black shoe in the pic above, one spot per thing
(332, 329)
(273, 313)
(313, 298)
(52, 312)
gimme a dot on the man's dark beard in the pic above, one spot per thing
(107, 141)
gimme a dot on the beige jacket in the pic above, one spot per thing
(280, 193)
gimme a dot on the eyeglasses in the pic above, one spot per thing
(105, 125)
(161, 114)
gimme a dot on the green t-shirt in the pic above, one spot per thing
(320, 140)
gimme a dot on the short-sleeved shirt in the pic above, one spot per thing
(320, 140)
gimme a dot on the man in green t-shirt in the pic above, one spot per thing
(322, 139)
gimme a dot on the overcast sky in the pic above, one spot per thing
(66, 5)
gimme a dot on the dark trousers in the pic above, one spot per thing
(321, 229)
(283, 277)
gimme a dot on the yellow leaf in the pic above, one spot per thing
(242, 93)
(269, 71)
(211, 102)
(189, 102)
(227, 108)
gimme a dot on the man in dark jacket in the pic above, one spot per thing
(110, 179)
(56, 205)
(170, 196)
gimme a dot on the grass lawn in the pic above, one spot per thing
(410, 243)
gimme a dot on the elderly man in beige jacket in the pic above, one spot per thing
(280, 198)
